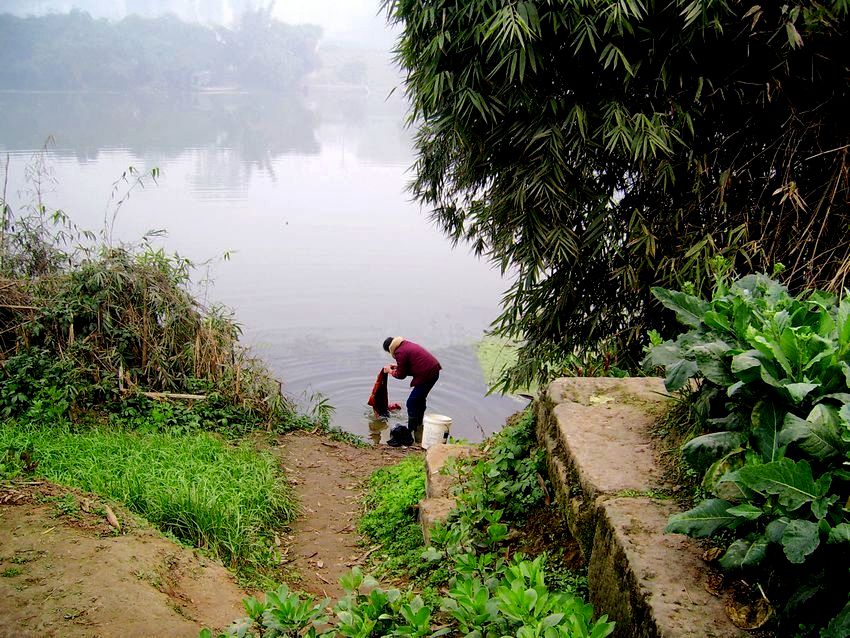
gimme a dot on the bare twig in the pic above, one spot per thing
(543, 487)
(5, 208)
(111, 518)
(832, 150)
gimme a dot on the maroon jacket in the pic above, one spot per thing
(414, 360)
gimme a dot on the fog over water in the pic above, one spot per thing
(304, 189)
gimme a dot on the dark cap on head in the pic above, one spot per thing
(387, 343)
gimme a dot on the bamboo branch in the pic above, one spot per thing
(174, 395)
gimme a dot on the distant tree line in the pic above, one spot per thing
(74, 51)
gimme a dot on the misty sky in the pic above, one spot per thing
(336, 17)
(349, 21)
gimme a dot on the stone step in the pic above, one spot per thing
(438, 502)
(606, 474)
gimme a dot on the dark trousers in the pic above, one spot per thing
(416, 400)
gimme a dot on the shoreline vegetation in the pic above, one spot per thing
(115, 379)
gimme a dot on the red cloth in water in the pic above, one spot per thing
(379, 400)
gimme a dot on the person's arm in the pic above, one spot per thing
(400, 370)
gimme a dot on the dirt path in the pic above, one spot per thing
(329, 478)
(65, 572)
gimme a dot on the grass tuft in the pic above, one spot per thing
(390, 519)
(225, 499)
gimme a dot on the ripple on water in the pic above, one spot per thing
(345, 378)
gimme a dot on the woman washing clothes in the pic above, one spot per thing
(412, 360)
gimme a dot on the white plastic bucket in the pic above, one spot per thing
(435, 429)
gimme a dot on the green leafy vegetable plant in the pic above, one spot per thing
(775, 371)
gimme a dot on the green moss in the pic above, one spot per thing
(495, 355)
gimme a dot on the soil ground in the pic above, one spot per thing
(330, 478)
(65, 571)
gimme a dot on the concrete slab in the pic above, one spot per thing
(437, 483)
(604, 471)
(652, 583)
(432, 510)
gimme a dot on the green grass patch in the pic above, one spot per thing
(226, 499)
(495, 356)
(390, 518)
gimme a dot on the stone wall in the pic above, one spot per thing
(609, 485)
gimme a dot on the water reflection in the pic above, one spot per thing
(257, 127)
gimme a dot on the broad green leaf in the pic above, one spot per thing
(781, 321)
(749, 283)
(710, 358)
(775, 529)
(767, 373)
(820, 299)
(689, 309)
(820, 506)
(788, 343)
(747, 511)
(818, 354)
(664, 354)
(703, 520)
(679, 373)
(840, 533)
(791, 481)
(700, 452)
(844, 415)
(796, 392)
(717, 320)
(752, 365)
(730, 422)
(742, 317)
(551, 620)
(800, 539)
(767, 421)
(768, 348)
(744, 553)
(819, 435)
(729, 488)
(431, 554)
(839, 626)
(842, 324)
(746, 366)
(735, 388)
(841, 397)
(720, 479)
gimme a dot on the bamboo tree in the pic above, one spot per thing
(595, 148)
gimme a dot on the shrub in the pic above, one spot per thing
(390, 519)
(517, 604)
(775, 371)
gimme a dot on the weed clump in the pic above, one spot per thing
(120, 324)
(392, 496)
(115, 379)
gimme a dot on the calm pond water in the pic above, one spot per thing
(307, 194)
